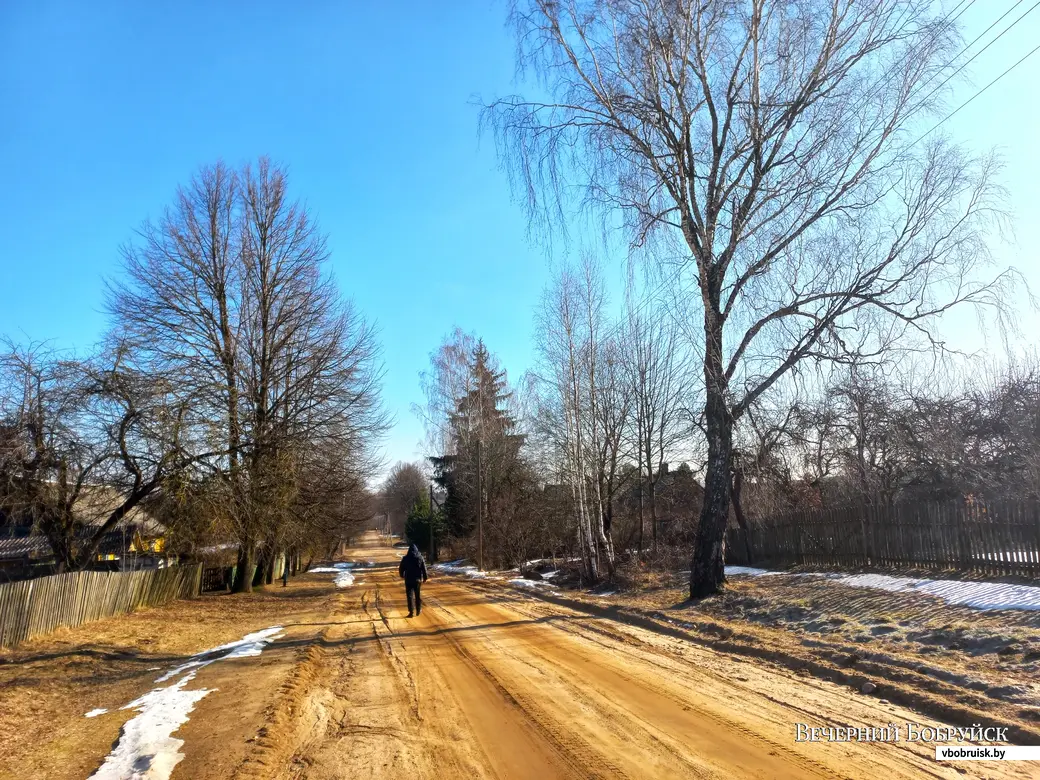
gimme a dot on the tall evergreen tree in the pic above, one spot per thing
(478, 472)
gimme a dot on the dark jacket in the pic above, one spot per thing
(413, 567)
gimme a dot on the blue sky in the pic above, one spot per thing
(106, 107)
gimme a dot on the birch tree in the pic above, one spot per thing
(657, 384)
(776, 144)
(570, 324)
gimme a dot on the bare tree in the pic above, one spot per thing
(877, 438)
(448, 380)
(657, 383)
(571, 324)
(84, 443)
(613, 411)
(179, 305)
(404, 486)
(229, 292)
(774, 143)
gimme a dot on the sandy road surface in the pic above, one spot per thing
(487, 682)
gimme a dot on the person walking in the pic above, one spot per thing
(413, 571)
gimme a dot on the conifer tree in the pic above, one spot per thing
(482, 437)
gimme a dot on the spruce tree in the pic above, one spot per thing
(481, 419)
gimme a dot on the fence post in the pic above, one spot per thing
(1034, 506)
(863, 509)
(798, 535)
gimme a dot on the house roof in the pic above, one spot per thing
(96, 503)
(33, 546)
(36, 546)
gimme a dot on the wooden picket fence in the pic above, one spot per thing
(31, 608)
(995, 537)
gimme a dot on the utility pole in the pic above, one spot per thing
(480, 511)
(431, 523)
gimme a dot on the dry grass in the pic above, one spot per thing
(47, 684)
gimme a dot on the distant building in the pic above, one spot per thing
(137, 541)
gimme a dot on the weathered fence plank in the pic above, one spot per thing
(35, 607)
(998, 538)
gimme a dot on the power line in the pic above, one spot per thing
(969, 100)
(980, 51)
(998, 21)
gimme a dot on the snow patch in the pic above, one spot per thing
(341, 566)
(750, 571)
(95, 713)
(147, 749)
(344, 578)
(978, 595)
(985, 596)
(250, 644)
(531, 584)
(455, 568)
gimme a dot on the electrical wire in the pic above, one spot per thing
(969, 100)
(980, 51)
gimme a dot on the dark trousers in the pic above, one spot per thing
(412, 588)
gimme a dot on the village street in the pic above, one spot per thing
(335, 682)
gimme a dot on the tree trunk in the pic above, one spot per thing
(642, 518)
(262, 565)
(738, 510)
(652, 483)
(707, 569)
(244, 572)
(269, 570)
(61, 543)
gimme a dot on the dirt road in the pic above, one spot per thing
(488, 682)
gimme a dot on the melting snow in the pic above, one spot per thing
(147, 749)
(531, 584)
(341, 566)
(980, 595)
(95, 713)
(250, 644)
(344, 577)
(748, 570)
(455, 568)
